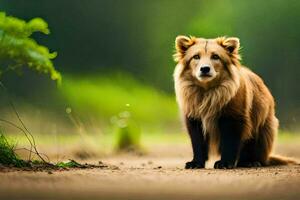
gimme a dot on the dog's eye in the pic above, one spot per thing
(196, 57)
(215, 57)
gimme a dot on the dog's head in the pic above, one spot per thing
(207, 61)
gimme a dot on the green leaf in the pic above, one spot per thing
(19, 50)
(38, 25)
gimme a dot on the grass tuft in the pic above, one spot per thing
(8, 157)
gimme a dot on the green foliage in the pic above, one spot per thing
(105, 97)
(18, 49)
(8, 157)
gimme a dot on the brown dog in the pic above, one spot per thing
(225, 105)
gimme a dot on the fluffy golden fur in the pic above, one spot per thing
(228, 91)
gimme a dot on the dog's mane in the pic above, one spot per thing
(195, 102)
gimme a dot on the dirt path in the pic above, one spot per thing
(153, 177)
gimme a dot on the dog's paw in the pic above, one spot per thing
(194, 165)
(249, 164)
(224, 165)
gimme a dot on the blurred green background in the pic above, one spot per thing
(115, 57)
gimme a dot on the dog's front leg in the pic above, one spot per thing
(231, 130)
(199, 144)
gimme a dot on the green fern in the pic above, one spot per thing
(18, 49)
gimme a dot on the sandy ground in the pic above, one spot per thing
(158, 175)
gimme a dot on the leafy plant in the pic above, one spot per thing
(19, 50)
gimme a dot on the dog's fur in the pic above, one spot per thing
(230, 109)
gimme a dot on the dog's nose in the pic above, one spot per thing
(205, 69)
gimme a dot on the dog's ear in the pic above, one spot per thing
(231, 44)
(182, 43)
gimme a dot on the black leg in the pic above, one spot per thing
(199, 144)
(230, 141)
(248, 157)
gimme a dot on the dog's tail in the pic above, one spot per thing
(280, 160)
